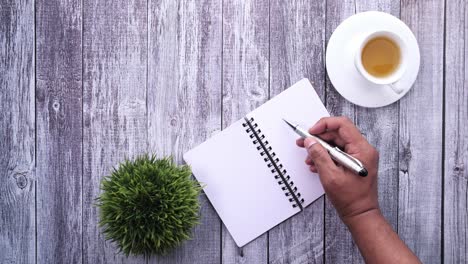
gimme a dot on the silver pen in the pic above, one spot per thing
(336, 153)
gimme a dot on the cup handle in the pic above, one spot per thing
(396, 88)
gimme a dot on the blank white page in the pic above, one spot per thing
(299, 104)
(239, 184)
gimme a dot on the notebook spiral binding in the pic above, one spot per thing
(273, 162)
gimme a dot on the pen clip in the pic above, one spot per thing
(350, 157)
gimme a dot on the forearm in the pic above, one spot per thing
(376, 239)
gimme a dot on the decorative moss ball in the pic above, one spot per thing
(148, 205)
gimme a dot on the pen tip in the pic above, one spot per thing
(287, 122)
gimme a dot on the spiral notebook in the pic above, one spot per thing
(253, 172)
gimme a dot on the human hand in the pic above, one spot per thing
(349, 193)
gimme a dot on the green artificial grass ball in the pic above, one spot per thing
(148, 205)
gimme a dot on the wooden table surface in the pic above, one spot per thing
(84, 84)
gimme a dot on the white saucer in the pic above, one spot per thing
(340, 59)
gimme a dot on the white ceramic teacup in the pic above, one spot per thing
(392, 79)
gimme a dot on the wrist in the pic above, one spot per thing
(371, 215)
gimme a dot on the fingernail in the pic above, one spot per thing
(308, 142)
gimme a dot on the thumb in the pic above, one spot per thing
(318, 154)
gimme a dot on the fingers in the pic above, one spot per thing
(311, 164)
(319, 156)
(329, 123)
(300, 142)
(344, 130)
(331, 137)
(313, 169)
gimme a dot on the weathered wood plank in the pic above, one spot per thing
(59, 131)
(297, 50)
(245, 87)
(420, 139)
(379, 125)
(455, 223)
(115, 119)
(184, 100)
(339, 245)
(17, 135)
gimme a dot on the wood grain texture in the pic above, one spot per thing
(455, 225)
(420, 153)
(297, 50)
(339, 245)
(115, 119)
(17, 135)
(184, 100)
(380, 127)
(117, 78)
(245, 87)
(59, 131)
